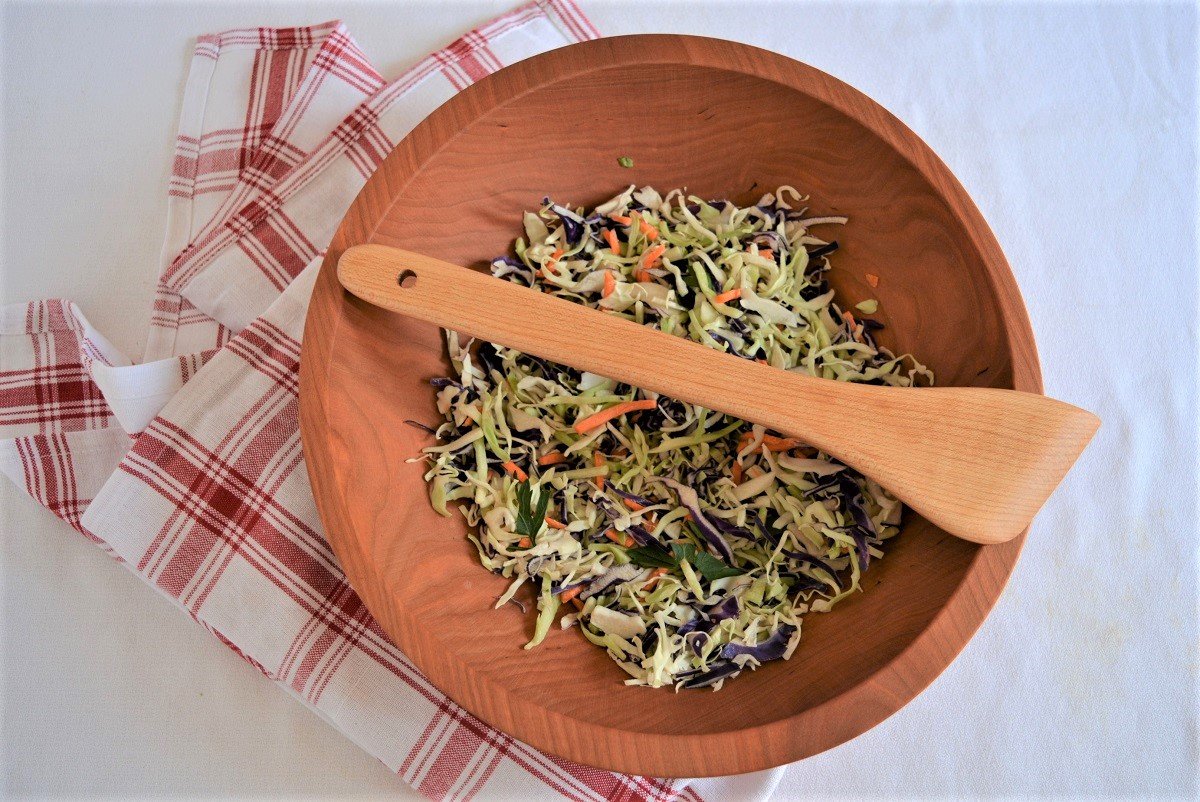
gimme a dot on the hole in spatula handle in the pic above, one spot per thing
(406, 279)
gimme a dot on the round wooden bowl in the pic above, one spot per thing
(723, 120)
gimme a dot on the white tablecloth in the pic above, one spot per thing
(1074, 129)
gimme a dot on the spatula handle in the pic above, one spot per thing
(977, 462)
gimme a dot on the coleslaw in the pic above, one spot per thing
(687, 543)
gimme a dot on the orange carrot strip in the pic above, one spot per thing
(578, 604)
(598, 461)
(651, 257)
(569, 595)
(654, 575)
(848, 316)
(727, 296)
(613, 242)
(735, 472)
(610, 284)
(615, 411)
(515, 470)
(650, 231)
(773, 443)
(872, 279)
(642, 276)
(620, 538)
(767, 253)
(524, 542)
(553, 524)
(553, 263)
(553, 458)
(620, 219)
(633, 505)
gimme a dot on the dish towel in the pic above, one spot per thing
(188, 468)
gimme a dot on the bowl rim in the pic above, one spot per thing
(828, 724)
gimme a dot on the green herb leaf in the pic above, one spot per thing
(709, 566)
(529, 522)
(625, 162)
(651, 558)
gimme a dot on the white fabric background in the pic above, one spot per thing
(1073, 126)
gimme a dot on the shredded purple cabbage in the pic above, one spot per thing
(772, 648)
(863, 530)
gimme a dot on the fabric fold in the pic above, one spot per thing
(188, 467)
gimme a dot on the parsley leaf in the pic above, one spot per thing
(528, 522)
(702, 561)
(709, 566)
(648, 557)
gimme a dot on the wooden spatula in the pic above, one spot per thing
(977, 462)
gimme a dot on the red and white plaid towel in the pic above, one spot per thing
(208, 498)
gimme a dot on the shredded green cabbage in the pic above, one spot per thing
(688, 543)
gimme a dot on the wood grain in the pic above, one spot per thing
(556, 124)
(979, 462)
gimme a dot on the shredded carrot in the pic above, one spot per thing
(553, 458)
(642, 276)
(578, 604)
(524, 542)
(615, 411)
(767, 253)
(728, 295)
(621, 219)
(598, 461)
(613, 242)
(654, 575)
(848, 316)
(553, 524)
(515, 470)
(651, 257)
(620, 538)
(610, 284)
(650, 231)
(633, 505)
(569, 595)
(769, 441)
(773, 443)
(552, 265)
(872, 279)
(735, 472)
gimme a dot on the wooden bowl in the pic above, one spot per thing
(723, 120)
